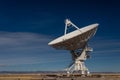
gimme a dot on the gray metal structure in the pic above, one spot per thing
(77, 43)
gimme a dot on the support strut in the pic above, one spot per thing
(79, 58)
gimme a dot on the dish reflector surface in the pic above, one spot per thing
(76, 39)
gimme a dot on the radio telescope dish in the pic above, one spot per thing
(77, 43)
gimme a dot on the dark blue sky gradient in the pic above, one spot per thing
(26, 26)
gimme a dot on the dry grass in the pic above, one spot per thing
(55, 77)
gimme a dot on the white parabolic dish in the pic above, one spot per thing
(76, 39)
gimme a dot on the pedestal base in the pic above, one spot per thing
(78, 67)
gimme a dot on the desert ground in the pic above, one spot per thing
(38, 76)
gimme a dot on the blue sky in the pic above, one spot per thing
(26, 27)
